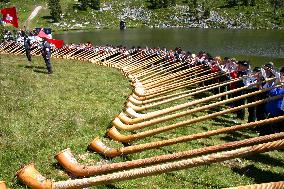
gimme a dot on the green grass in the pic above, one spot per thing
(42, 115)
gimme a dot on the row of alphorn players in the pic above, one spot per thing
(157, 81)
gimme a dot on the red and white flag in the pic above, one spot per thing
(10, 16)
(43, 35)
(58, 43)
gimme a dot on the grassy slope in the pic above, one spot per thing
(41, 115)
(260, 16)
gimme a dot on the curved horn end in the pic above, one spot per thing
(32, 178)
(3, 185)
(98, 146)
(134, 101)
(139, 91)
(115, 135)
(138, 97)
(130, 111)
(124, 118)
(118, 124)
(66, 159)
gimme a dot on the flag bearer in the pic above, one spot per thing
(46, 54)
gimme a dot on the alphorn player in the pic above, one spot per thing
(276, 107)
(243, 69)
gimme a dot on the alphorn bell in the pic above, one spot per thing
(138, 117)
(68, 161)
(118, 124)
(98, 146)
(3, 185)
(115, 135)
(32, 179)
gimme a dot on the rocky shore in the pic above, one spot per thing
(138, 15)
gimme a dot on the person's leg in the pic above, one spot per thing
(48, 66)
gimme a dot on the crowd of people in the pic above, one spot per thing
(257, 78)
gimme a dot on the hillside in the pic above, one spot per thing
(137, 14)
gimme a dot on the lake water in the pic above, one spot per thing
(258, 46)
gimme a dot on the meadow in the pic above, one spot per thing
(42, 114)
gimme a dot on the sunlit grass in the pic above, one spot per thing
(43, 114)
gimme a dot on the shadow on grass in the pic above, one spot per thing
(222, 121)
(260, 176)
(34, 67)
(235, 136)
(266, 159)
(31, 66)
(40, 71)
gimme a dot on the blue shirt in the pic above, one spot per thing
(274, 107)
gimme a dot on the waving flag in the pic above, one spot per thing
(42, 34)
(58, 43)
(10, 16)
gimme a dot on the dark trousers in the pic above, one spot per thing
(251, 110)
(271, 128)
(48, 65)
(28, 54)
(240, 113)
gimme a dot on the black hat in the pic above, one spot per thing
(243, 63)
(257, 69)
(269, 65)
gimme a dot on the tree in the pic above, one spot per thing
(252, 3)
(156, 4)
(55, 9)
(192, 4)
(84, 4)
(277, 4)
(206, 13)
(232, 3)
(93, 4)
(245, 2)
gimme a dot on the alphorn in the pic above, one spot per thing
(112, 60)
(131, 60)
(142, 63)
(146, 107)
(156, 76)
(270, 185)
(143, 117)
(115, 135)
(3, 185)
(141, 93)
(176, 96)
(172, 89)
(69, 163)
(31, 177)
(181, 94)
(98, 146)
(172, 78)
(166, 83)
(133, 67)
(160, 69)
(157, 68)
(118, 124)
